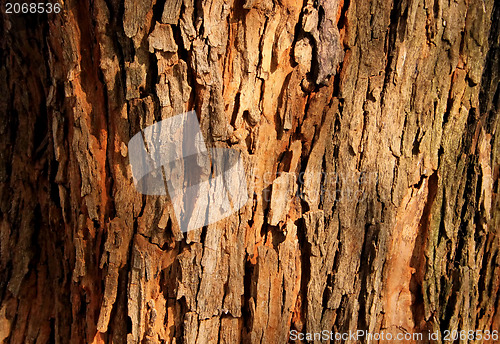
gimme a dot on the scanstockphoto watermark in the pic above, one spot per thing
(320, 186)
(337, 337)
(204, 184)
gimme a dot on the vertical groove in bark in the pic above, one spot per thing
(369, 136)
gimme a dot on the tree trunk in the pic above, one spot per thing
(368, 131)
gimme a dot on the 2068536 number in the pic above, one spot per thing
(33, 8)
(470, 335)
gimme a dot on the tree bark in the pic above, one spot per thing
(368, 131)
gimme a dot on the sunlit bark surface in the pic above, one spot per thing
(369, 133)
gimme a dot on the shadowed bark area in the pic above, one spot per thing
(368, 130)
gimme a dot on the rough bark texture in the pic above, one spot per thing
(369, 131)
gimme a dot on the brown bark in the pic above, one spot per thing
(369, 135)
